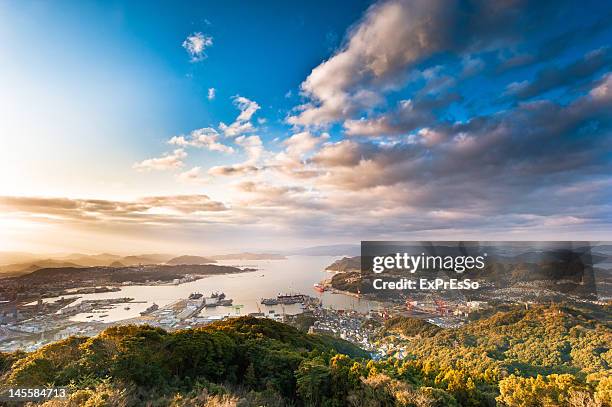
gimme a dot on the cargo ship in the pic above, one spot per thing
(290, 298)
(220, 303)
(284, 299)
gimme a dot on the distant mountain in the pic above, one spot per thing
(28, 263)
(106, 259)
(109, 275)
(345, 264)
(103, 259)
(249, 256)
(18, 257)
(190, 260)
(146, 259)
(332, 250)
(23, 268)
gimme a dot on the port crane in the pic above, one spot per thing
(410, 305)
(441, 306)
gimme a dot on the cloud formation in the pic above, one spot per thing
(554, 77)
(432, 120)
(206, 137)
(396, 35)
(300, 144)
(196, 44)
(527, 146)
(169, 161)
(242, 124)
(148, 209)
(406, 117)
(253, 149)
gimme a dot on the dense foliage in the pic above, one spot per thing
(545, 356)
(410, 327)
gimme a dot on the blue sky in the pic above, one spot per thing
(397, 106)
(125, 61)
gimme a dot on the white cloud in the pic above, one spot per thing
(168, 161)
(206, 137)
(604, 90)
(431, 137)
(298, 148)
(392, 37)
(247, 108)
(253, 147)
(406, 117)
(232, 170)
(242, 124)
(302, 143)
(236, 128)
(212, 92)
(196, 45)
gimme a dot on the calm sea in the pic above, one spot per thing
(296, 274)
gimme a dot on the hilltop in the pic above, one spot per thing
(17, 263)
(556, 355)
(105, 275)
(345, 264)
(55, 280)
(539, 340)
(28, 267)
(257, 353)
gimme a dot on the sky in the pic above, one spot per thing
(230, 126)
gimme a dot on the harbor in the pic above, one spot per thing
(288, 282)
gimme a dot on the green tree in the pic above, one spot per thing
(313, 381)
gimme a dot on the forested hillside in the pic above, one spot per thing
(545, 356)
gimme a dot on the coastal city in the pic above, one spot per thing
(27, 324)
(34, 325)
(316, 294)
